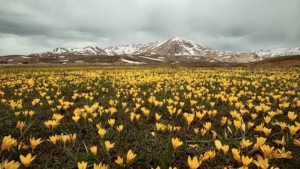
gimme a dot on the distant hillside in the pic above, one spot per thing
(293, 60)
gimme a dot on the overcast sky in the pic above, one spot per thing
(29, 26)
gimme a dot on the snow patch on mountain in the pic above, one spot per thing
(263, 53)
(151, 58)
(122, 49)
(89, 50)
(130, 61)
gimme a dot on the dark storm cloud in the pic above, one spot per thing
(36, 26)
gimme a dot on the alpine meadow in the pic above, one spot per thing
(149, 116)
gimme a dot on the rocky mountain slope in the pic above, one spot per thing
(176, 46)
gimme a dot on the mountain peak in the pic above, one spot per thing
(175, 45)
(178, 38)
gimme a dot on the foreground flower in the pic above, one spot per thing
(193, 163)
(176, 143)
(94, 150)
(34, 142)
(53, 139)
(237, 124)
(72, 138)
(266, 131)
(57, 116)
(292, 116)
(130, 156)
(111, 122)
(11, 165)
(75, 118)
(297, 142)
(26, 160)
(51, 124)
(262, 163)
(218, 144)
(236, 154)
(267, 150)
(245, 143)
(281, 153)
(259, 142)
(225, 149)
(189, 119)
(281, 142)
(120, 128)
(100, 166)
(246, 161)
(20, 125)
(109, 145)
(157, 117)
(293, 129)
(7, 142)
(82, 165)
(101, 132)
(211, 154)
(119, 161)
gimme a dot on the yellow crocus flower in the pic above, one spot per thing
(218, 144)
(26, 160)
(120, 128)
(292, 116)
(266, 131)
(246, 161)
(111, 122)
(237, 124)
(20, 125)
(53, 139)
(109, 145)
(82, 165)
(190, 118)
(7, 142)
(119, 161)
(176, 143)
(236, 155)
(157, 116)
(130, 156)
(245, 143)
(34, 142)
(94, 149)
(12, 165)
(225, 149)
(193, 163)
(100, 166)
(101, 132)
(297, 142)
(261, 163)
(267, 150)
(293, 129)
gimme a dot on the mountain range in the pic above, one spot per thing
(171, 50)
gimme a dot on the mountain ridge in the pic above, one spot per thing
(170, 50)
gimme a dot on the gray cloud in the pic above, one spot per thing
(37, 26)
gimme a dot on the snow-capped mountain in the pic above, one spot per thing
(174, 46)
(123, 49)
(263, 53)
(171, 50)
(89, 50)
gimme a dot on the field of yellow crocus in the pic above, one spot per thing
(149, 117)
